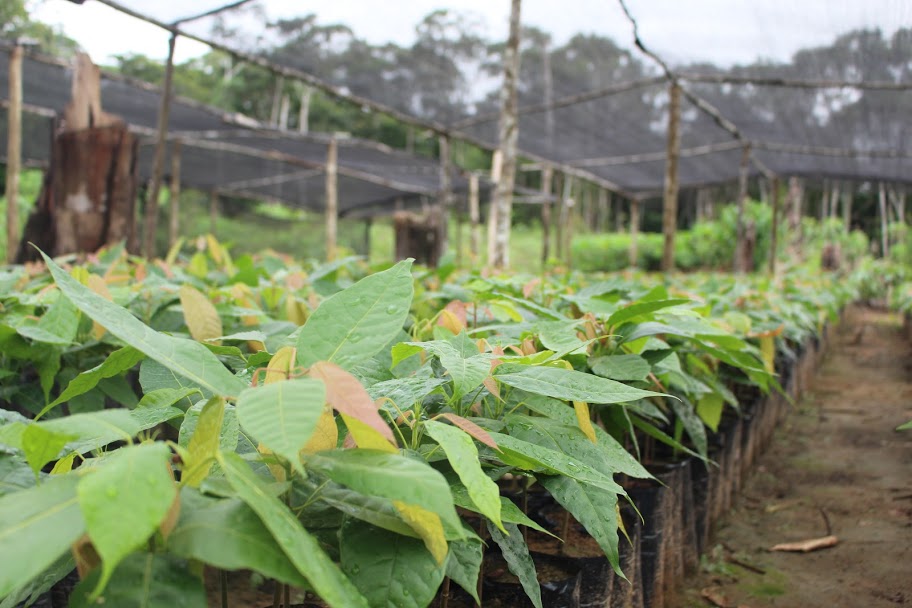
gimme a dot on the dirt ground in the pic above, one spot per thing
(836, 466)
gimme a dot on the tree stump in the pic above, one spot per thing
(88, 193)
(418, 236)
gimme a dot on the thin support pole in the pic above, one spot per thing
(670, 202)
(737, 264)
(884, 237)
(474, 217)
(164, 110)
(847, 197)
(332, 198)
(174, 196)
(603, 210)
(446, 194)
(13, 153)
(213, 211)
(547, 177)
(304, 112)
(774, 236)
(634, 231)
(509, 134)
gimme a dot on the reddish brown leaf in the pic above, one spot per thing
(491, 384)
(472, 429)
(346, 395)
(529, 287)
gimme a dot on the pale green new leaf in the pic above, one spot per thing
(56, 326)
(392, 571)
(463, 457)
(282, 415)
(356, 323)
(124, 500)
(94, 430)
(518, 559)
(302, 549)
(621, 367)
(41, 445)
(187, 358)
(204, 445)
(37, 526)
(568, 384)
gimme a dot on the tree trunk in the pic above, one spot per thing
(509, 133)
(88, 193)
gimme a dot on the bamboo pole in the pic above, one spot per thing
(474, 217)
(174, 197)
(151, 215)
(213, 211)
(774, 240)
(547, 177)
(884, 236)
(304, 112)
(634, 231)
(332, 199)
(13, 153)
(508, 138)
(742, 199)
(670, 202)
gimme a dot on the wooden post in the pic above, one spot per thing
(304, 112)
(276, 101)
(603, 210)
(547, 177)
(847, 197)
(737, 264)
(13, 153)
(174, 197)
(834, 198)
(884, 236)
(509, 133)
(548, 84)
(164, 110)
(213, 211)
(634, 230)
(368, 224)
(474, 217)
(670, 202)
(283, 112)
(444, 202)
(563, 215)
(774, 240)
(332, 198)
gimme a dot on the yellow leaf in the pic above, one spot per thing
(204, 444)
(64, 465)
(99, 286)
(202, 319)
(277, 470)
(450, 321)
(296, 310)
(175, 249)
(367, 436)
(215, 249)
(583, 419)
(347, 396)
(428, 526)
(198, 266)
(281, 364)
(80, 274)
(768, 351)
(326, 435)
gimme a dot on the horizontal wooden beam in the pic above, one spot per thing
(795, 83)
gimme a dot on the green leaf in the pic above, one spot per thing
(124, 500)
(117, 362)
(621, 367)
(230, 432)
(144, 580)
(283, 415)
(391, 476)
(467, 369)
(709, 409)
(392, 571)
(356, 323)
(153, 377)
(187, 358)
(516, 554)
(536, 458)
(301, 548)
(205, 442)
(509, 512)
(15, 474)
(463, 457)
(165, 397)
(148, 417)
(37, 526)
(559, 336)
(41, 445)
(692, 423)
(641, 308)
(568, 384)
(94, 430)
(56, 326)
(464, 565)
(372, 509)
(593, 507)
(29, 593)
(404, 392)
(227, 534)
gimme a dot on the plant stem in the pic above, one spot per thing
(277, 594)
(287, 594)
(565, 529)
(223, 583)
(445, 592)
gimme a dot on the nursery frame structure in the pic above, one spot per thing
(632, 123)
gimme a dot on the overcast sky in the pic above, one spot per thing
(724, 32)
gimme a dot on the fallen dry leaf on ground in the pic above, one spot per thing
(806, 546)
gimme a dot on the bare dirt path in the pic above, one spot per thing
(836, 466)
